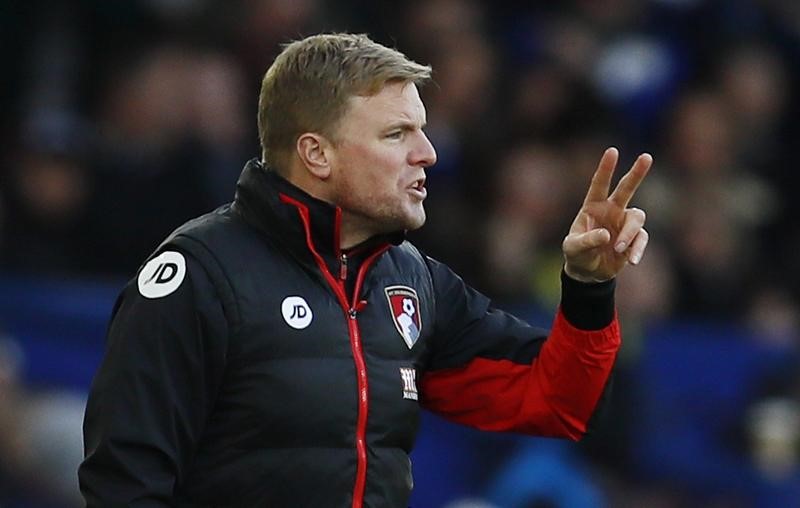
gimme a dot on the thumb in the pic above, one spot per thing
(584, 241)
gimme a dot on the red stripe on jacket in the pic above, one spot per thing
(553, 396)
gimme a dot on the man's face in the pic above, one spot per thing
(378, 165)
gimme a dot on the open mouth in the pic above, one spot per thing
(418, 188)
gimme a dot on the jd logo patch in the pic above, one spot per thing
(296, 312)
(404, 307)
(162, 275)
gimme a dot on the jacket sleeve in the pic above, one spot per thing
(492, 371)
(153, 392)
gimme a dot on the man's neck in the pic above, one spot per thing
(353, 229)
(352, 232)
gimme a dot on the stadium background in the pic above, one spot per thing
(121, 119)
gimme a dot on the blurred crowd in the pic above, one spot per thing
(122, 119)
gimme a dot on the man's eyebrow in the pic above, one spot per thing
(405, 125)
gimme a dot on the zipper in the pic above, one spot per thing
(363, 409)
(361, 372)
(351, 315)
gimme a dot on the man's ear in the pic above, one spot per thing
(314, 150)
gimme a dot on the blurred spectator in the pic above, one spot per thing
(753, 84)
(769, 433)
(261, 26)
(544, 473)
(460, 111)
(47, 198)
(527, 224)
(774, 317)
(645, 296)
(774, 429)
(40, 438)
(710, 208)
(172, 137)
(218, 121)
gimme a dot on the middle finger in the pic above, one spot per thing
(630, 182)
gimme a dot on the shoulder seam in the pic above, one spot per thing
(229, 288)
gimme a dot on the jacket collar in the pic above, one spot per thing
(293, 217)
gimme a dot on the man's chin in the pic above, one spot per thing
(398, 222)
(415, 222)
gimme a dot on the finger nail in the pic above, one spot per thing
(635, 259)
(620, 247)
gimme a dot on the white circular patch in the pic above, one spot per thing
(296, 312)
(162, 275)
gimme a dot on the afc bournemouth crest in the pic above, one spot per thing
(404, 307)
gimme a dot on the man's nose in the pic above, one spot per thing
(424, 154)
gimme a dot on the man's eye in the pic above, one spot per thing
(395, 135)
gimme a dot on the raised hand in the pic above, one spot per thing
(606, 235)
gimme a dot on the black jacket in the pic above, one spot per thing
(253, 363)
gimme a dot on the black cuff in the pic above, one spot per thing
(587, 306)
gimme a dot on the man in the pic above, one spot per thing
(276, 351)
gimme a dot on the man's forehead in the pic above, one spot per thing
(395, 101)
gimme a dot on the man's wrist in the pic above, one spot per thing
(587, 305)
(580, 278)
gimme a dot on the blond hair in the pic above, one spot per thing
(307, 87)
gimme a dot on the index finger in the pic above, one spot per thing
(630, 182)
(601, 180)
